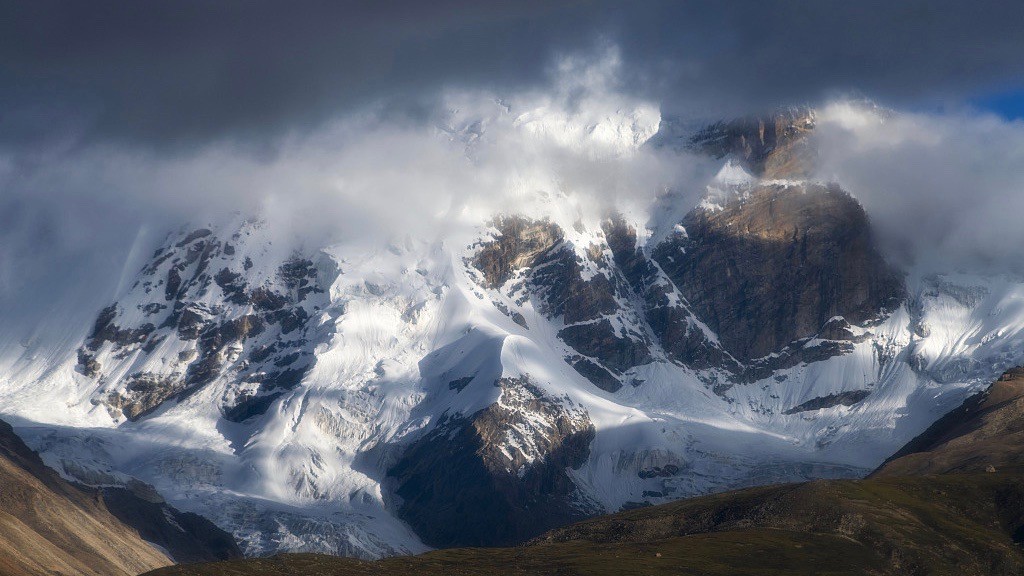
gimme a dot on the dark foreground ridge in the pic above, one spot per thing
(958, 516)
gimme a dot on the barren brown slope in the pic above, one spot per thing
(48, 526)
(985, 433)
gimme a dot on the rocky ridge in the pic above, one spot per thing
(201, 313)
(506, 459)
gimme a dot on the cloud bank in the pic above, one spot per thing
(944, 191)
(175, 75)
(339, 121)
(370, 176)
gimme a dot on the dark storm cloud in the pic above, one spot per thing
(197, 70)
(190, 72)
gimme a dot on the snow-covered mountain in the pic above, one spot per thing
(482, 386)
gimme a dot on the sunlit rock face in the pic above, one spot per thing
(776, 264)
(506, 461)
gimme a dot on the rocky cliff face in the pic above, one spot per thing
(773, 146)
(759, 275)
(776, 264)
(497, 476)
(584, 293)
(682, 336)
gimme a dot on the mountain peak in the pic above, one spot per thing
(773, 146)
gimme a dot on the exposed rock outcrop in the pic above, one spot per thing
(665, 310)
(772, 146)
(776, 266)
(600, 340)
(497, 476)
(256, 332)
(842, 398)
(519, 243)
(584, 293)
(742, 287)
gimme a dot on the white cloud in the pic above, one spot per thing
(366, 175)
(944, 191)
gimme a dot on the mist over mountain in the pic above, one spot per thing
(372, 281)
(939, 187)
